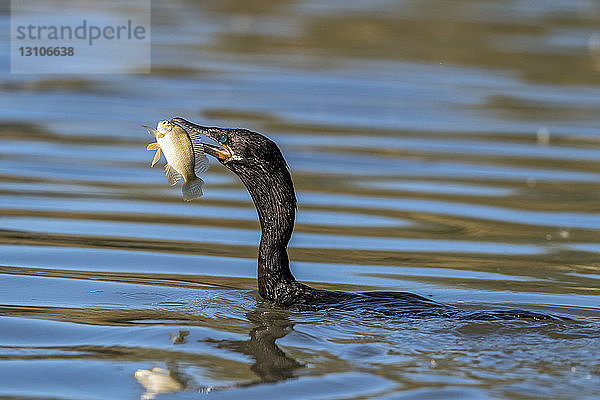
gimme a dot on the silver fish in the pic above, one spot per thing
(185, 157)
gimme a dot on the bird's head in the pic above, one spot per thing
(240, 150)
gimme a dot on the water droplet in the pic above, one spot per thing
(543, 136)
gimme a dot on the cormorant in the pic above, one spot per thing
(258, 162)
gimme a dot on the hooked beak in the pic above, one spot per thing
(221, 152)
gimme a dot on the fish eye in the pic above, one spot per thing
(165, 126)
(223, 138)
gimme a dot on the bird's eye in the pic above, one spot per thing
(223, 138)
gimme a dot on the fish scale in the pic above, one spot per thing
(177, 148)
(184, 154)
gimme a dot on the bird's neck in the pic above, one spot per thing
(275, 200)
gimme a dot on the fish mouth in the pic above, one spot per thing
(153, 132)
(220, 151)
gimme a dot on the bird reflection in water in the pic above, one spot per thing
(271, 364)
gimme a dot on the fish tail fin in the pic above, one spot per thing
(192, 189)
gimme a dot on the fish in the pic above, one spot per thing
(185, 157)
(157, 381)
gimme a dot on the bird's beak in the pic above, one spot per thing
(221, 151)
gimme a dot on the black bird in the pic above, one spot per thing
(258, 162)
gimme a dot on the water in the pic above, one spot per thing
(447, 148)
